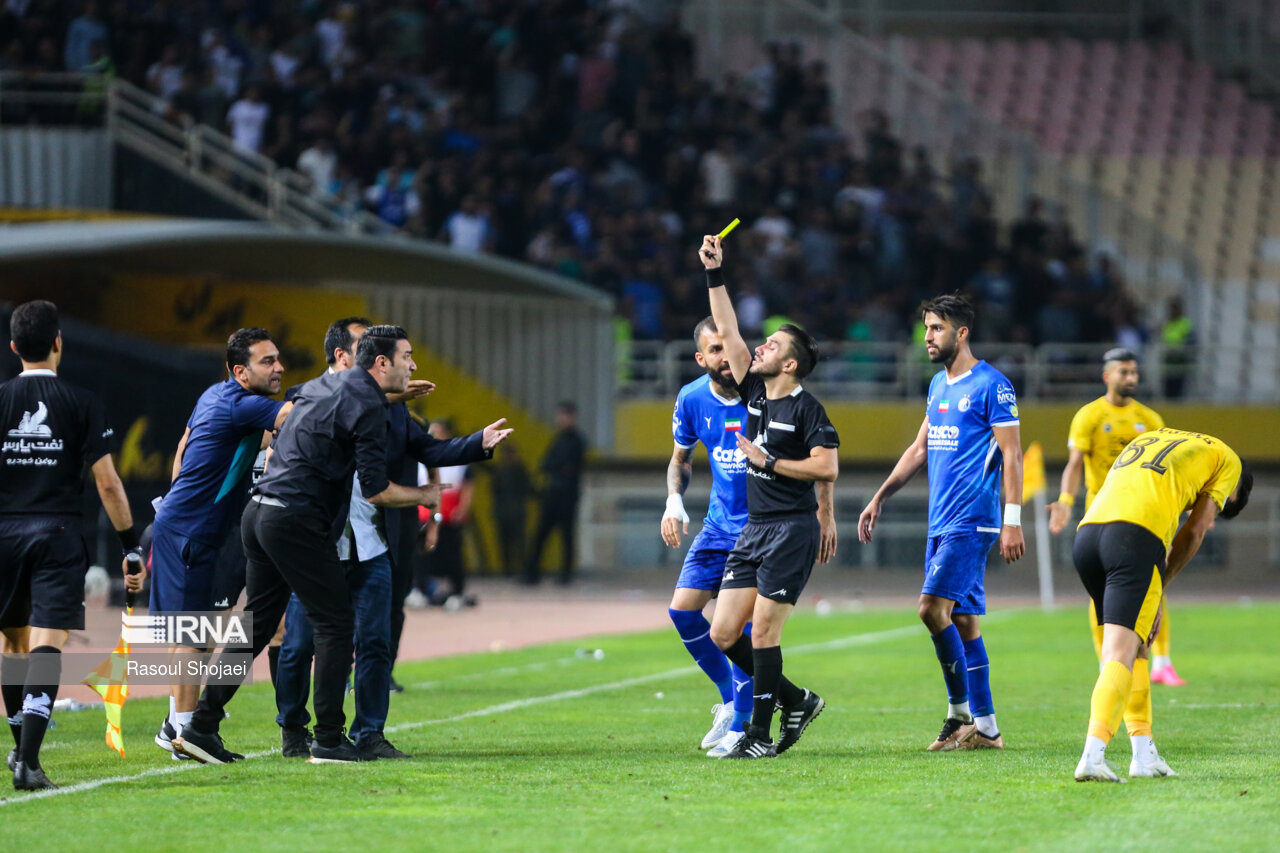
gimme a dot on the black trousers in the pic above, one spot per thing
(446, 560)
(289, 552)
(558, 513)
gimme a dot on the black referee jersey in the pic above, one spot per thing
(51, 431)
(788, 428)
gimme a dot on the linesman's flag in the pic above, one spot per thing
(1033, 480)
(110, 679)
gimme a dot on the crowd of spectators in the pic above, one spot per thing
(575, 135)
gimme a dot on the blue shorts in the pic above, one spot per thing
(704, 564)
(954, 568)
(183, 572)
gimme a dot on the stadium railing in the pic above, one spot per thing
(898, 371)
(138, 120)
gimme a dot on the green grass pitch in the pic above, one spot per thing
(541, 749)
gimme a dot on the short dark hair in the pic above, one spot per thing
(956, 308)
(1119, 354)
(706, 324)
(238, 345)
(338, 336)
(1232, 508)
(33, 328)
(804, 349)
(379, 340)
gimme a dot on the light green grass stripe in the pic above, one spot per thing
(849, 642)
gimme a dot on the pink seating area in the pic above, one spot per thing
(1102, 97)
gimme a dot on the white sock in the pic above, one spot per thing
(959, 712)
(173, 708)
(182, 719)
(1143, 746)
(987, 725)
(1095, 749)
(1160, 661)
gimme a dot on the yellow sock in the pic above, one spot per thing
(1160, 646)
(1137, 710)
(1097, 630)
(1106, 707)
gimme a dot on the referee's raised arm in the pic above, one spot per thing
(736, 350)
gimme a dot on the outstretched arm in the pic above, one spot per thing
(735, 348)
(911, 461)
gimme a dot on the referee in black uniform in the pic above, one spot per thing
(52, 430)
(338, 427)
(789, 445)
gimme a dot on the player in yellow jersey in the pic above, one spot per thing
(1099, 431)
(1129, 546)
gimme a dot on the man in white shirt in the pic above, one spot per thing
(247, 120)
(319, 163)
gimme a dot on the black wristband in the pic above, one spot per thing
(715, 277)
(128, 539)
(769, 461)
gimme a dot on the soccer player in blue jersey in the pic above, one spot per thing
(211, 473)
(970, 433)
(709, 410)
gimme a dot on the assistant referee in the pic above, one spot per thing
(52, 430)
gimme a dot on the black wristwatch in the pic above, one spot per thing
(769, 461)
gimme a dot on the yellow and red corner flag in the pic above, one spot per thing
(110, 679)
(1033, 479)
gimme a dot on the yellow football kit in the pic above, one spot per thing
(1100, 430)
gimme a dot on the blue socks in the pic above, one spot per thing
(950, 649)
(695, 630)
(979, 667)
(743, 701)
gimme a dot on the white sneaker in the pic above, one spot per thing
(1150, 766)
(415, 600)
(720, 728)
(1102, 771)
(725, 746)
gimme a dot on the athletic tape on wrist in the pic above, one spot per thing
(1013, 515)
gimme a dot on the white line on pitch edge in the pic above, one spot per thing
(832, 645)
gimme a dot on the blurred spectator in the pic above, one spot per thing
(83, 31)
(1177, 334)
(247, 120)
(446, 561)
(319, 163)
(467, 228)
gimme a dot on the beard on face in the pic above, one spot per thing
(724, 380)
(1126, 390)
(944, 354)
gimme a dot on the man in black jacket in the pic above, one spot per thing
(562, 466)
(292, 525)
(368, 552)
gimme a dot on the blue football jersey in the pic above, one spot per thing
(226, 431)
(965, 463)
(701, 415)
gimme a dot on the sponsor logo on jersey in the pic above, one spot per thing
(730, 459)
(1004, 393)
(33, 436)
(944, 437)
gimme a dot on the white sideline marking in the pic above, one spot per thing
(500, 672)
(502, 708)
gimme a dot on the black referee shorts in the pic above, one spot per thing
(774, 556)
(43, 560)
(1122, 567)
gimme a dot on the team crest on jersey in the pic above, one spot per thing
(1106, 427)
(963, 405)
